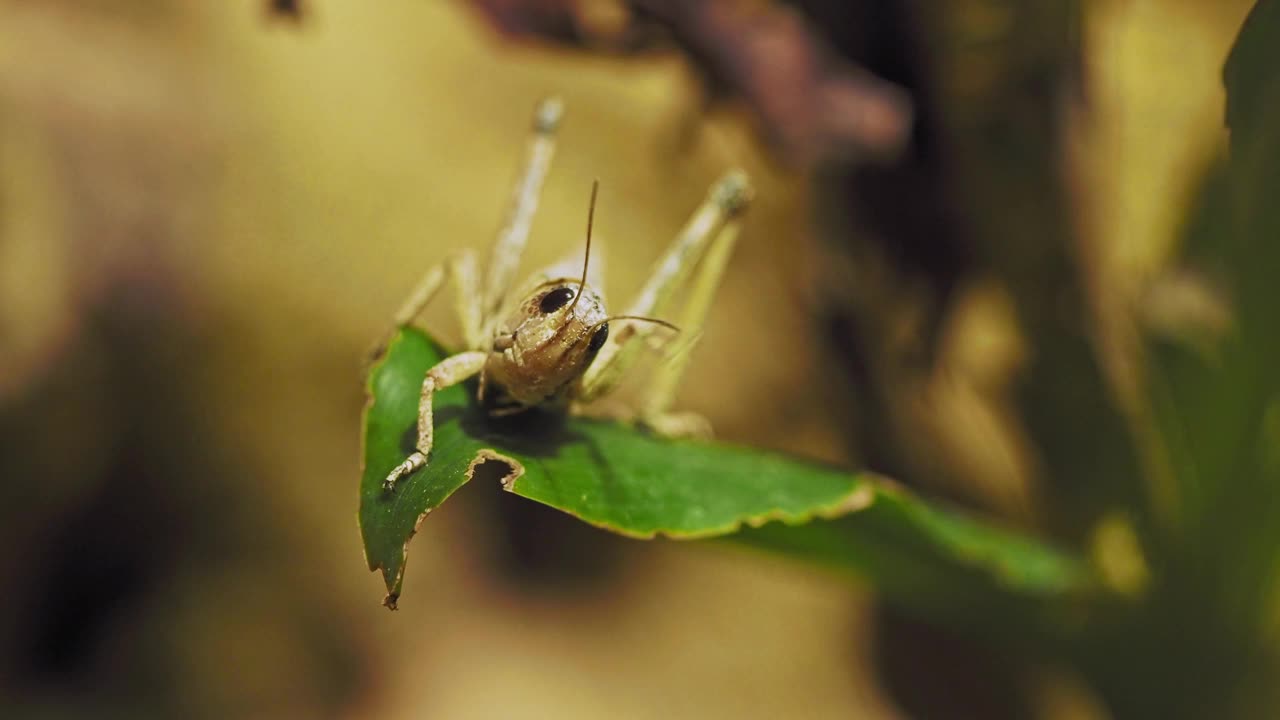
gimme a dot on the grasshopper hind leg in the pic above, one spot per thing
(460, 267)
(695, 262)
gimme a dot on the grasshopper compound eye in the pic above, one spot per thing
(555, 300)
(598, 338)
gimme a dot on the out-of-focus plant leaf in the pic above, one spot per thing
(939, 563)
(1215, 388)
(1004, 141)
(1215, 395)
(1250, 74)
(631, 483)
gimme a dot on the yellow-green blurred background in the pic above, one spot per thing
(207, 218)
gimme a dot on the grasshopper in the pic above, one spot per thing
(548, 345)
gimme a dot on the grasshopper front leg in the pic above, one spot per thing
(448, 372)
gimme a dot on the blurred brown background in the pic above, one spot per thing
(208, 214)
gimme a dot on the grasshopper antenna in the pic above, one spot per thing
(586, 260)
(640, 318)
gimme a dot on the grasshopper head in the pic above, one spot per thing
(545, 344)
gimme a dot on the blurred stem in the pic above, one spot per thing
(1009, 136)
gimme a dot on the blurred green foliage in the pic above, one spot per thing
(1214, 390)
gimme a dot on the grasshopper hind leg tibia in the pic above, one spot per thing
(694, 263)
(478, 297)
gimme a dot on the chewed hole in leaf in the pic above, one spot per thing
(489, 466)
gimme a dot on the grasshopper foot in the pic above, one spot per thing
(680, 425)
(411, 464)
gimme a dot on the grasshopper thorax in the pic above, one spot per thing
(543, 346)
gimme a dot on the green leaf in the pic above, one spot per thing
(1249, 74)
(1215, 391)
(634, 484)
